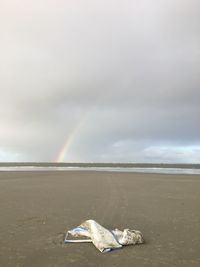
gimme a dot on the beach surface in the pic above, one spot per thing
(37, 208)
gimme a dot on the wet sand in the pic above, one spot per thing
(37, 208)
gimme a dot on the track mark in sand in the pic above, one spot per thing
(57, 239)
(116, 201)
(33, 219)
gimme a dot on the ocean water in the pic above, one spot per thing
(160, 170)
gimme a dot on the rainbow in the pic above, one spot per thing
(70, 139)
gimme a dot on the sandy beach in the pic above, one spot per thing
(37, 208)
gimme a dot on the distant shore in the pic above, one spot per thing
(37, 208)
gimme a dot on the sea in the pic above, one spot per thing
(108, 167)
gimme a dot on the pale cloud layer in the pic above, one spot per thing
(109, 80)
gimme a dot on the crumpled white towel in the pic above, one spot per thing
(104, 239)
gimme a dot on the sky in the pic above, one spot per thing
(100, 81)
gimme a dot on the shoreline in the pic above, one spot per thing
(147, 170)
(98, 164)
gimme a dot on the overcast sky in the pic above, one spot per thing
(106, 81)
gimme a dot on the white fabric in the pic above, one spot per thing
(103, 239)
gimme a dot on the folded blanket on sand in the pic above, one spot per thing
(104, 239)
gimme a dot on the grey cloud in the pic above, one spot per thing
(130, 68)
